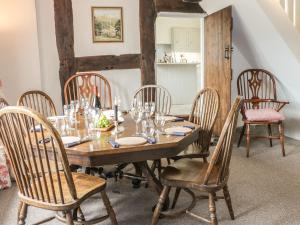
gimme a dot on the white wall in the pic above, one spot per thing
(48, 52)
(19, 58)
(123, 82)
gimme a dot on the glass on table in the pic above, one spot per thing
(160, 122)
(137, 116)
(61, 125)
(91, 117)
(147, 129)
(67, 114)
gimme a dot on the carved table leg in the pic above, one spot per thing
(153, 181)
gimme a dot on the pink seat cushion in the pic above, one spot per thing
(267, 114)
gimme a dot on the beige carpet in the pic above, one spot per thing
(265, 190)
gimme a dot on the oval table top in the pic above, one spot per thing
(99, 151)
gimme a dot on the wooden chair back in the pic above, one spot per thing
(81, 85)
(3, 103)
(38, 101)
(204, 113)
(30, 157)
(221, 157)
(157, 94)
(256, 84)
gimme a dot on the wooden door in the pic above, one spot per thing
(217, 56)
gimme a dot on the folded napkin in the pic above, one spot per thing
(176, 133)
(44, 141)
(151, 140)
(72, 144)
(69, 145)
(190, 126)
(113, 143)
(178, 119)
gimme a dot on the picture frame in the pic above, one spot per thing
(107, 23)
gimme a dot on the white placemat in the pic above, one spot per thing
(131, 141)
(178, 129)
(70, 139)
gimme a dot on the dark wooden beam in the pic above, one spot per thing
(69, 65)
(177, 6)
(108, 62)
(147, 39)
(64, 39)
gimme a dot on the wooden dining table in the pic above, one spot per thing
(99, 152)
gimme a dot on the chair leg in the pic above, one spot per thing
(176, 195)
(241, 135)
(212, 210)
(270, 134)
(161, 201)
(248, 139)
(281, 133)
(228, 201)
(22, 213)
(78, 214)
(69, 218)
(109, 208)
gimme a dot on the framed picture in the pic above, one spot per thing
(107, 24)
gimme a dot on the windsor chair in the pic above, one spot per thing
(156, 94)
(35, 163)
(261, 107)
(204, 113)
(81, 85)
(209, 177)
(38, 101)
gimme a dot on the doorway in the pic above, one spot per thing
(179, 58)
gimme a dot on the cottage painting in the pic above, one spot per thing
(107, 24)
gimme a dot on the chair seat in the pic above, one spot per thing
(267, 114)
(188, 173)
(192, 151)
(85, 186)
